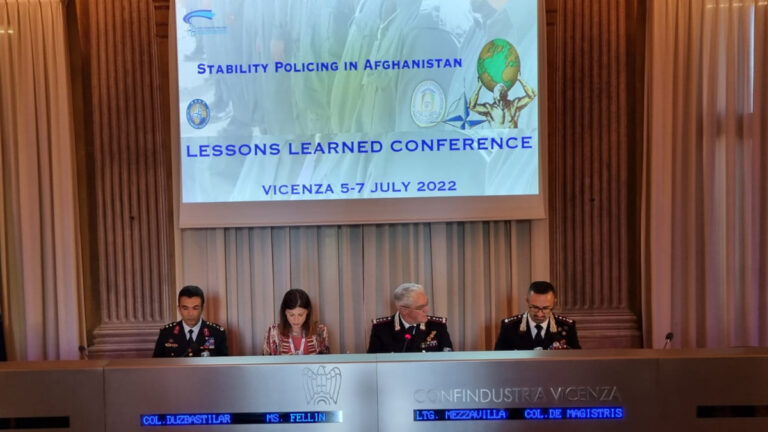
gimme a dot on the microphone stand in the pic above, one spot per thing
(668, 339)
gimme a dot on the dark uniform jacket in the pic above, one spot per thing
(388, 334)
(211, 340)
(515, 334)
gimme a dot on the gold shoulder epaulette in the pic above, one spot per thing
(441, 320)
(383, 319)
(517, 317)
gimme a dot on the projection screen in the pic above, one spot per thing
(357, 111)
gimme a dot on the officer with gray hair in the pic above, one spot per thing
(410, 329)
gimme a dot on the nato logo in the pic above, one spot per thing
(322, 387)
(198, 113)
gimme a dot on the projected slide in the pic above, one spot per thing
(356, 99)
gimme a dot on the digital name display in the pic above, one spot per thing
(547, 413)
(215, 419)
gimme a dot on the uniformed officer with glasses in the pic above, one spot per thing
(411, 328)
(538, 328)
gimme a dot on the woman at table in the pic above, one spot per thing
(296, 333)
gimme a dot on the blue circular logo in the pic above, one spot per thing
(198, 113)
(427, 104)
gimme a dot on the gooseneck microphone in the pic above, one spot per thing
(408, 336)
(668, 339)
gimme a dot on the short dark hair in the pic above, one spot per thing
(542, 287)
(293, 299)
(192, 291)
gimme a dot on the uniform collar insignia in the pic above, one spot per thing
(422, 326)
(552, 323)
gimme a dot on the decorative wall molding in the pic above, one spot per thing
(127, 158)
(595, 67)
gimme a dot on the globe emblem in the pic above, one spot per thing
(498, 63)
(198, 113)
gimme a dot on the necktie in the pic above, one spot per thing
(538, 340)
(190, 339)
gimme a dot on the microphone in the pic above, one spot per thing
(407, 338)
(668, 339)
(83, 352)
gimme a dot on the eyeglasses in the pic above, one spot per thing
(418, 308)
(545, 309)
